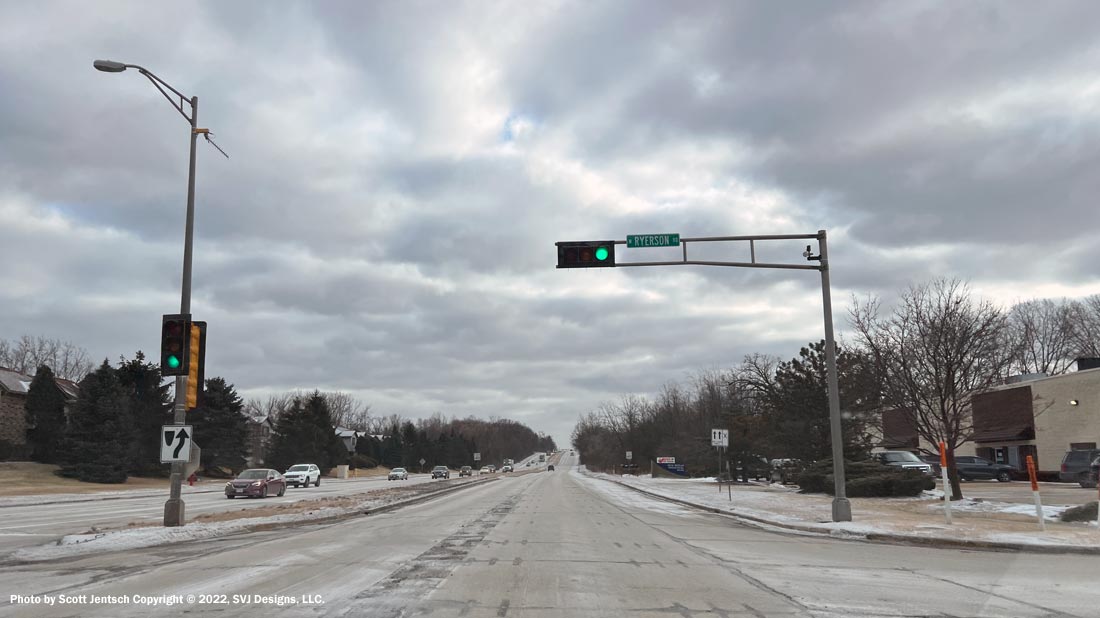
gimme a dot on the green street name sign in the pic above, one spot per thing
(653, 240)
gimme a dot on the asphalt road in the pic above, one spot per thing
(556, 545)
(27, 525)
(1020, 492)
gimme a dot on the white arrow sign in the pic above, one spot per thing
(175, 443)
(719, 437)
(477, 456)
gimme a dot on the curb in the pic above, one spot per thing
(877, 537)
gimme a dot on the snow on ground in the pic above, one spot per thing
(33, 499)
(914, 518)
(132, 538)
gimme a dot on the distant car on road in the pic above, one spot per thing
(1075, 466)
(506, 468)
(972, 468)
(301, 475)
(492, 468)
(398, 474)
(465, 471)
(256, 482)
(485, 470)
(902, 459)
(550, 468)
(441, 472)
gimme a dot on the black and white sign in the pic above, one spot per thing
(629, 455)
(422, 461)
(719, 437)
(477, 456)
(175, 443)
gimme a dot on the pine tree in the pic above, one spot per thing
(150, 408)
(305, 434)
(221, 428)
(97, 439)
(45, 410)
(285, 437)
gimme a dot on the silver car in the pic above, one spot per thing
(398, 474)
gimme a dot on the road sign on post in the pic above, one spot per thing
(629, 455)
(652, 240)
(477, 456)
(175, 443)
(719, 437)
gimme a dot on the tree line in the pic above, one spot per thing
(925, 357)
(112, 429)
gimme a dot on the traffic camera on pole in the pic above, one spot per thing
(586, 253)
(174, 344)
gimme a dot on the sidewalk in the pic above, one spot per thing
(919, 520)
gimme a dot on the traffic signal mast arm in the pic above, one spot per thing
(752, 252)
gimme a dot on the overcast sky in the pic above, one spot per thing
(399, 173)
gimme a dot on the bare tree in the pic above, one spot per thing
(26, 354)
(1041, 333)
(1085, 317)
(938, 348)
(347, 410)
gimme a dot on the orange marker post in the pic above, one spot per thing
(1035, 491)
(946, 485)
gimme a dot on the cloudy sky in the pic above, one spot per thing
(399, 173)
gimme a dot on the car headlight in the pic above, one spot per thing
(257, 483)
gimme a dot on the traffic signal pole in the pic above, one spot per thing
(842, 508)
(174, 507)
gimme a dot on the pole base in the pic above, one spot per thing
(842, 509)
(173, 512)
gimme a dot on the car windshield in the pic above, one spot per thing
(252, 474)
(440, 468)
(898, 456)
(398, 469)
(298, 469)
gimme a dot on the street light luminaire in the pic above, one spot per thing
(109, 66)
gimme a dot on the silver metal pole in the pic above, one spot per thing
(174, 507)
(842, 508)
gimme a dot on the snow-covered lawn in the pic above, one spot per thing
(919, 518)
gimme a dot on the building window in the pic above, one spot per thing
(1082, 446)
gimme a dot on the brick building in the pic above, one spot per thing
(13, 417)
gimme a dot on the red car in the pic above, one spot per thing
(259, 482)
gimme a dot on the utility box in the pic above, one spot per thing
(342, 471)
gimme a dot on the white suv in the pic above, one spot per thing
(301, 475)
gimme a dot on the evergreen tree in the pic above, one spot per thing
(150, 408)
(221, 428)
(45, 410)
(97, 439)
(304, 434)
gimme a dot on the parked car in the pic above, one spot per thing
(751, 467)
(550, 468)
(258, 482)
(1094, 474)
(441, 472)
(399, 474)
(506, 469)
(465, 471)
(971, 468)
(301, 475)
(934, 461)
(485, 470)
(785, 470)
(1075, 466)
(902, 459)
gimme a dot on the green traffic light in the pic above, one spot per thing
(173, 361)
(601, 253)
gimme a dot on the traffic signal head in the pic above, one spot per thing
(586, 254)
(174, 344)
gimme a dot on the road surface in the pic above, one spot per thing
(555, 544)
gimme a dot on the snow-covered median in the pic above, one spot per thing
(233, 522)
(917, 519)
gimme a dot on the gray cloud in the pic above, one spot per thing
(400, 172)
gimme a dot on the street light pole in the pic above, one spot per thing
(174, 506)
(174, 511)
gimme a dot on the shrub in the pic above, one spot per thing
(1085, 512)
(865, 479)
